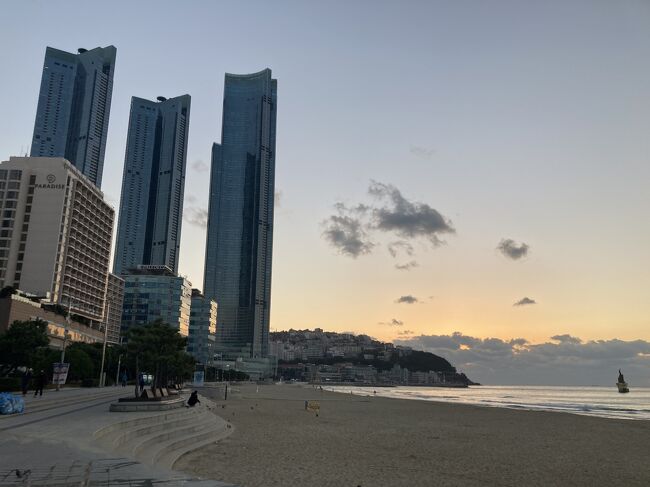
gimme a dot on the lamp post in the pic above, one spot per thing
(101, 372)
(65, 342)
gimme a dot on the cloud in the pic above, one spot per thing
(200, 166)
(422, 152)
(393, 322)
(351, 228)
(566, 339)
(406, 218)
(405, 332)
(345, 231)
(525, 301)
(401, 246)
(407, 266)
(566, 360)
(408, 299)
(196, 216)
(510, 249)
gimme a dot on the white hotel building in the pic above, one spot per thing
(55, 234)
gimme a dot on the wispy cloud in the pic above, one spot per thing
(512, 250)
(405, 332)
(407, 266)
(400, 247)
(408, 299)
(200, 166)
(346, 232)
(525, 301)
(422, 152)
(196, 216)
(392, 322)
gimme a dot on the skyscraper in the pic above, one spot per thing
(240, 216)
(151, 205)
(73, 108)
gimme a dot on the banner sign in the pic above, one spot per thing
(198, 378)
(60, 374)
(312, 406)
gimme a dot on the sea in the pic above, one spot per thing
(605, 402)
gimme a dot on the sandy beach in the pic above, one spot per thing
(371, 441)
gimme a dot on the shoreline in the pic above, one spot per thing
(359, 440)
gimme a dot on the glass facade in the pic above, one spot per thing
(203, 326)
(74, 104)
(153, 184)
(240, 220)
(151, 297)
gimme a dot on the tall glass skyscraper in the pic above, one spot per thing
(240, 216)
(153, 183)
(73, 108)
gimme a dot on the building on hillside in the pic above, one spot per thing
(20, 307)
(113, 312)
(240, 215)
(55, 239)
(203, 327)
(153, 184)
(154, 293)
(74, 104)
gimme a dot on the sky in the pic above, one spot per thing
(443, 169)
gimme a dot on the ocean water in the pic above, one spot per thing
(604, 402)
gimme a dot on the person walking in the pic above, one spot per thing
(124, 378)
(25, 380)
(41, 381)
(141, 383)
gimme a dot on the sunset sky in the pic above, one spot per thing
(500, 150)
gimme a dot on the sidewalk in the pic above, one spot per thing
(53, 439)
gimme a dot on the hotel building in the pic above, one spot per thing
(203, 326)
(113, 313)
(55, 235)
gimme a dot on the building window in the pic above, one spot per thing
(15, 174)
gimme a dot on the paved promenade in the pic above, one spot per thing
(52, 444)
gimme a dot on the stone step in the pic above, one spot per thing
(120, 427)
(147, 442)
(137, 433)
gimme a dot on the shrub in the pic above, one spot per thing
(9, 384)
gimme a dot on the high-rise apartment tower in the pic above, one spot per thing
(151, 206)
(240, 221)
(73, 108)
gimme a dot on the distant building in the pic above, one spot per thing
(114, 303)
(156, 293)
(74, 104)
(203, 327)
(55, 239)
(240, 215)
(153, 184)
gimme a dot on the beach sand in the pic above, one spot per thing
(371, 441)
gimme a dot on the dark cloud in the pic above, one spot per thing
(200, 166)
(401, 246)
(566, 360)
(408, 299)
(566, 339)
(393, 322)
(405, 332)
(346, 232)
(525, 301)
(407, 266)
(422, 152)
(406, 218)
(196, 216)
(512, 250)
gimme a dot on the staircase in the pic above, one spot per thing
(163, 438)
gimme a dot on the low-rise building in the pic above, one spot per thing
(154, 292)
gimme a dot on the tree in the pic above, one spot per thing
(158, 349)
(20, 344)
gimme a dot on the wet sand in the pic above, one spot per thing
(371, 441)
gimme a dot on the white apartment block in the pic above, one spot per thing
(55, 234)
